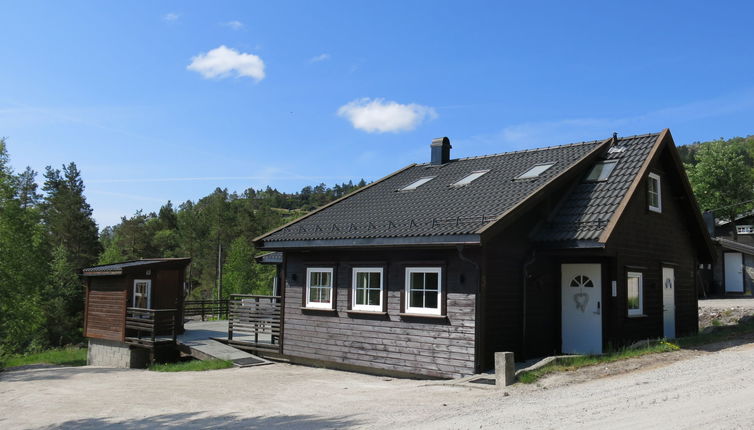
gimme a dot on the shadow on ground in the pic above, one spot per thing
(41, 372)
(194, 421)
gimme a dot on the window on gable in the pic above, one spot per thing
(535, 171)
(745, 229)
(635, 294)
(601, 171)
(470, 178)
(654, 192)
(367, 289)
(416, 184)
(319, 286)
(423, 290)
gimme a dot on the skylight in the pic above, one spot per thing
(535, 171)
(470, 178)
(416, 184)
(601, 171)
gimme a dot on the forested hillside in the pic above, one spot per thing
(47, 234)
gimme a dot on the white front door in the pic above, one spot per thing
(734, 272)
(581, 308)
(668, 302)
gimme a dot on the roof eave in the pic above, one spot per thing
(419, 241)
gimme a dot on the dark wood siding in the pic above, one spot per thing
(644, 241)
(423, 346)
(106, 308)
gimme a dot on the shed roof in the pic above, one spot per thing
(117, 268)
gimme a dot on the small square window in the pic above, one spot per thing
(745, 229)
(601, 171)
(319, 287)
(367, 289)
(416, 184)
(535, 171)
(634, 294)
(654, 192)
(423, 290)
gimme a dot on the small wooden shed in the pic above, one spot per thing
(133, 304)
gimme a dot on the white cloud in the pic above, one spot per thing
(380, 116)
(171, 16)
(233, 25)
(221, 62)
(320, 57)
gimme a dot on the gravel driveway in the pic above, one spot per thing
(703, 389)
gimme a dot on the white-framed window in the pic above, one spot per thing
(367, 293)
(424, 290)
(601, 171)
(471, 177)
(416, 184)
(319, 287)
(535, 171)
(142, 294)
(654, 192)
(635, 293)
(745, 229)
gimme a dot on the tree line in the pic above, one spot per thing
(47, 234)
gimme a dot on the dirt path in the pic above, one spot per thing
(690, 389)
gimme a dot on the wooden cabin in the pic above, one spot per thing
(733, 270)
(431, 270)
(133, 310)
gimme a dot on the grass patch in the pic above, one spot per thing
(191, 366)
(719, 334)
(573, 363)
(61, 356)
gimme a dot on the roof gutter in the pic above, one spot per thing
(447, 240)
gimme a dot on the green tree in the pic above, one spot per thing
(23, 267)
(68, 216)
(63, 301)
(721, 180)
(243, 275)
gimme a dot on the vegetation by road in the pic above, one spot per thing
(191, 366)
(60, 356)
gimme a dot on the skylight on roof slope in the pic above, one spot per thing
(416, 184)
(469, 178)
(535, 171)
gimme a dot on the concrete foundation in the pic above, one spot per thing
(110, 353)
(505, 369)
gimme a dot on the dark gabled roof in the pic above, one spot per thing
(735, 246)
(586, 211)
(435, 209)
(117, 268)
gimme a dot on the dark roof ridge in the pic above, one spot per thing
(520, 151)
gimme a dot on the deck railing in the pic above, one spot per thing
(255, 320)
(206, 309)
(151, 325)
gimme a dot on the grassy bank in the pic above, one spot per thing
(572, 363)
(61, 356)
(191, 366)
(718, 334)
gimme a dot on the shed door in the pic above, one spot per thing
(734, 272)
(668, 302)
(581, 308)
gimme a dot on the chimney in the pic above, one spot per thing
(440, 151)
(709, 220)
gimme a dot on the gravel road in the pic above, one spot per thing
(697, 390)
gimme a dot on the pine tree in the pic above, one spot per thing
(68, 216)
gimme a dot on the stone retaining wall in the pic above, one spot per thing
(110, 353)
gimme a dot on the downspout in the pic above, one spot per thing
(528, 263)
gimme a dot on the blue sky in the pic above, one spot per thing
(160, 101)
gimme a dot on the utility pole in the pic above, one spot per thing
(219, 271)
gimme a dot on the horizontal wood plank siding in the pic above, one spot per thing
(106, 309)
(423, 346)
(642, 242)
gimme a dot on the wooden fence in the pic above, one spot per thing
(255, 321)
(206, 309)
